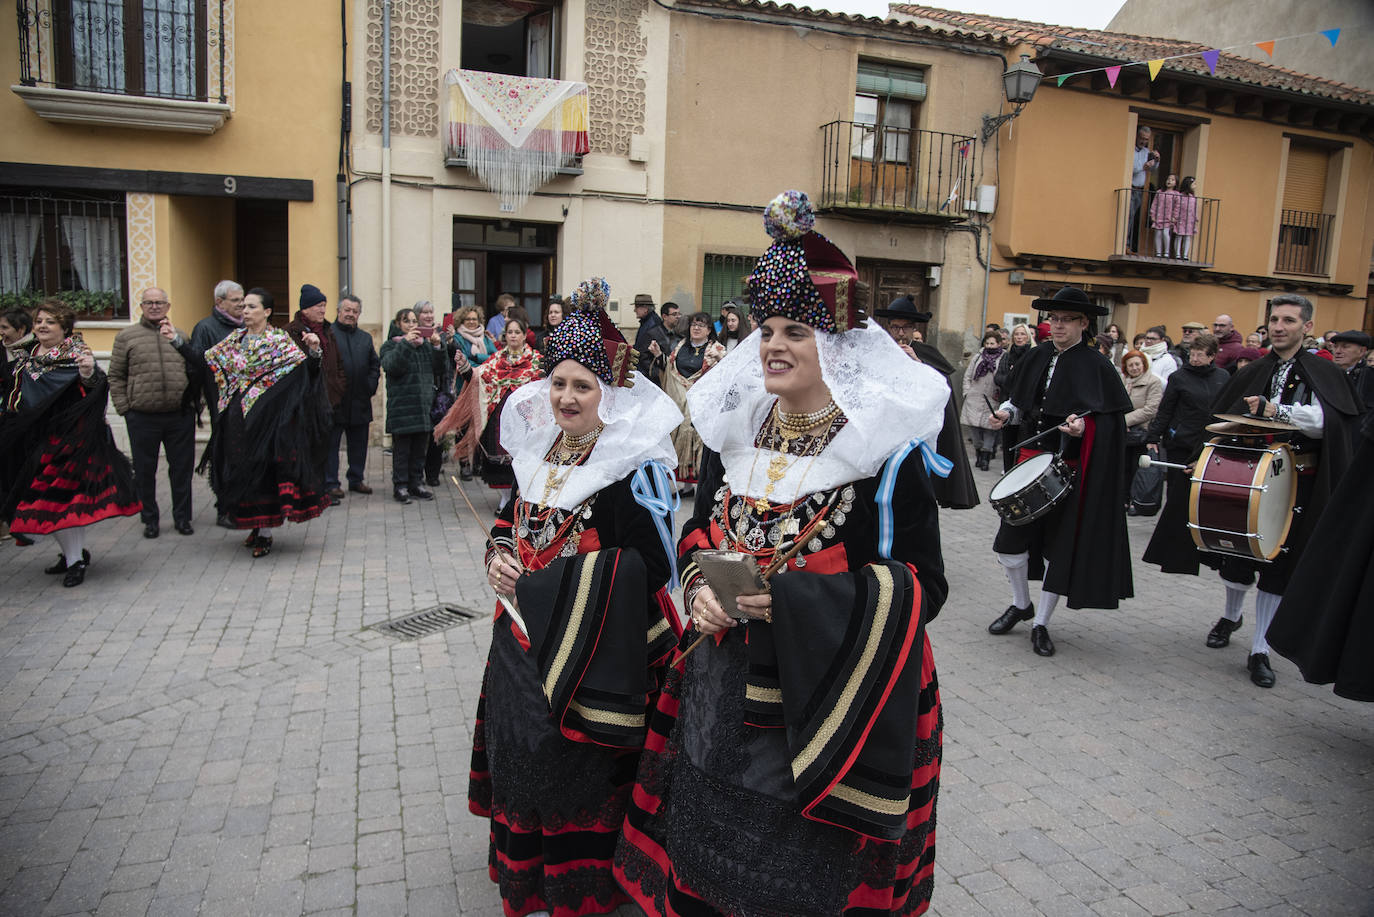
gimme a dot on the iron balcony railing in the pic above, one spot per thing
(68, 245)
(165, 49)
(894, 171)
(1304, 242)
(1136, 240)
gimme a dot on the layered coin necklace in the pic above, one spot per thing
(784, 429)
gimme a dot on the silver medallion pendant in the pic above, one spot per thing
(813, 545)
(755, 539)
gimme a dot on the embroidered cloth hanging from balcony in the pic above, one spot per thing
(515, 132)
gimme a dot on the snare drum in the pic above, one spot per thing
(1241, 498)
(1031, 489)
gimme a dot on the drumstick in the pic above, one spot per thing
(505, 602)
(988, 402)
(1039, 436)
(1146, 462)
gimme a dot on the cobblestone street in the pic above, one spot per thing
(196, 732)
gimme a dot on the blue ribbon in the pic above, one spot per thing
(654, 489)
(936, 464)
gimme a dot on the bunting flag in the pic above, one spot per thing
(1210, 57)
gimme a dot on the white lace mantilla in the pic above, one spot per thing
(888, 398)
(638, 421)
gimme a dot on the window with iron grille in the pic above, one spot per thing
(133, 47)
(67, 244)
(724, 279)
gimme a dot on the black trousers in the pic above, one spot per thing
(357, 453)
(408, 459)
(176, 432)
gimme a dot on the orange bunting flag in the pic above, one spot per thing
(1266, 46)
(1154, 66)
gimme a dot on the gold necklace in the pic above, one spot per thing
(787, 428)
(570, 451)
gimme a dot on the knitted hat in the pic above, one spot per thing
(311, 295)
(803, 276)
(589, 337)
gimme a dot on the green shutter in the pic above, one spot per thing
(891, 82)
(723, 279)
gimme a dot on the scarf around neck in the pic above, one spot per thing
(477, 340)
(227, 318)
(251, 364)
(987, 362)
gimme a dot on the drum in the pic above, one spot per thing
(1031, 489)
(1241, 498)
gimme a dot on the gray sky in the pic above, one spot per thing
(1091, 14)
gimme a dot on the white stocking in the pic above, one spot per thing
(71, 541)
(1048, 600)
(1266, 603)
(1015, 566)
(1235, 600)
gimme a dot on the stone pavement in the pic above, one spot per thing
(196, 732)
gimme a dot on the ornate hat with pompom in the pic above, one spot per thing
(588, 336)
(803, 276)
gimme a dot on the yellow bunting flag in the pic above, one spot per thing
(1154, 66)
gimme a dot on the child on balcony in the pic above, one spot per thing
(1185, 219)
(1163, 209)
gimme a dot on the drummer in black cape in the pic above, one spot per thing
(1079, 548)
(1325, 623)
(1293, 386)
(899, 320)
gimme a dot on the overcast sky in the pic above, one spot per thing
(1091, 14)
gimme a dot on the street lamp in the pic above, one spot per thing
(1019, 83)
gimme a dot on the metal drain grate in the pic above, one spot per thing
(426, 621)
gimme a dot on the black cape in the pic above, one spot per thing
(958, 491)
(1087, 546)
(1325, 623)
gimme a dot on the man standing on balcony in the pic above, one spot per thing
(1348, 351)
(1079, 549)
(1229, 343)
(1143, 161)
(1294, 386)
(152, 391)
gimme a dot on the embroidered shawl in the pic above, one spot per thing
(502, 374)
(251, 364)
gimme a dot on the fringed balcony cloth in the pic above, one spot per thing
(515, 132)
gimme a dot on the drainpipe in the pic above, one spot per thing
(386, 158)
(987, 274)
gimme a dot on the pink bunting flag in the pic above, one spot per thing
(1332, 35)
(1154, 66)
(1266, 46)
(1210, 59)
(1112, 74)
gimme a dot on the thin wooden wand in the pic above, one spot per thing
(505, 602)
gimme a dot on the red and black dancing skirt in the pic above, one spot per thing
(73, 487)
(555, 805)
(715, 827)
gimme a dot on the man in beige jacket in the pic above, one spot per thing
(150, 389)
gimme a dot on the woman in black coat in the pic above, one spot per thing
(1178, 430)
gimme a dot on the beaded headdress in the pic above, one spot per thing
(803, 276)
(588, 336)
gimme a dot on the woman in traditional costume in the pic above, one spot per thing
(514, 364)
(793, 763)
(266, 454)
(690, 360)
(585, 548)
(60, 470)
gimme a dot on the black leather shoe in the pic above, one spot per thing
(223, 521)
(333, 500)
(184, 528)
(1260, 673)
(1041, 642)
(150, 530)
(22, 541)
(465, 473)
(432, 481)
(77, 572)
(1010, 618)
(419, 493)
(1220, 634)
(61, 565)
(401, 495)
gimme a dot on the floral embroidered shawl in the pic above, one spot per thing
(251, 364)
(31, 368)
(503, 373)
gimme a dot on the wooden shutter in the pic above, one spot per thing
(1304, 187)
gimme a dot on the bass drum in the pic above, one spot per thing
(1242, 497)
(1031, 489)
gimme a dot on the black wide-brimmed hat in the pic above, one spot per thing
(1071, 299)
(904, 307)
